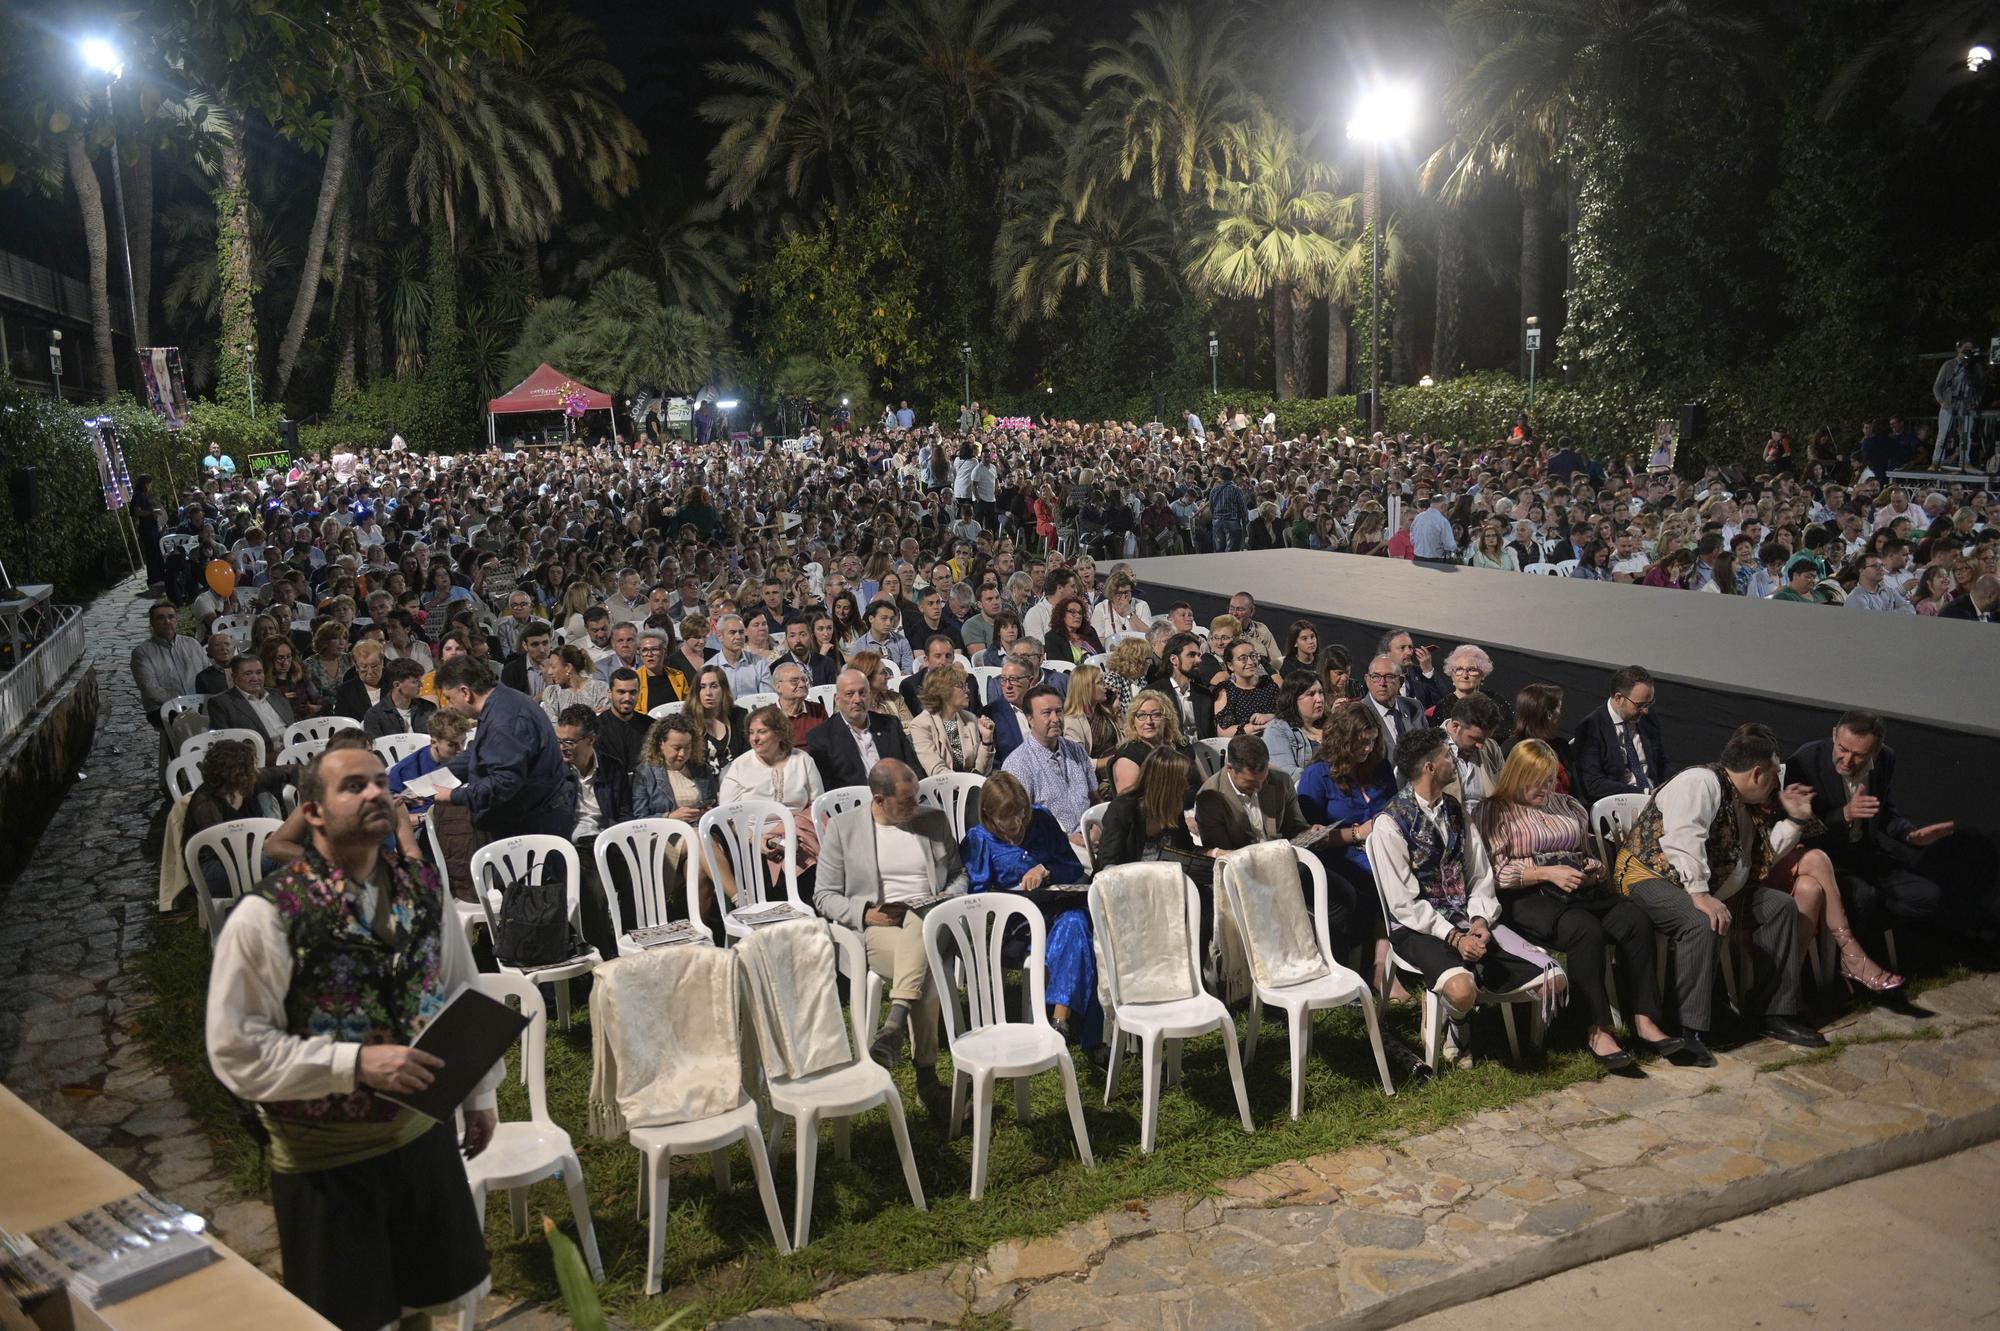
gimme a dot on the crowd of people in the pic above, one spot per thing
(589, 636)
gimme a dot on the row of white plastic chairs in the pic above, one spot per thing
(1561, 569)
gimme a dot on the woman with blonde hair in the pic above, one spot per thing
(947, 736)
(1492, 551)
(1152, 722)
(1555, 893)
(568, 613)
(329, 663)
(1091, 719)
(1125, 670)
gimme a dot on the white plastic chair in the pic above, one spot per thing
(194, 746)
(300, 753)
(957, 793)
(317, 727)
(667, 709)
(236, 626)
(238, 845)
(186, 702)
(1433, 1013)
(526, 1151)
(1091, 827)
(1611, 818)
(498, 864)
(823, 695)
(750, 702)
(1196, 1012)
(981, 683)
(1339, 987)
(1566, 567)
(835, 802)
(183, 776)
(837, 1093)
(1546, 570)
(641, 844)
(1211, 753)
(986, 1045)
(1060, 667)
(470, 915)
(394, 748)
(740, 827)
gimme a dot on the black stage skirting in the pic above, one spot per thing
(1720, 661)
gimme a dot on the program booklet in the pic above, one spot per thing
(472, 1034)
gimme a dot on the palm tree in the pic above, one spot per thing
(622, 339)
(966, 73)
(97, 248)
(674, 242)
(1281, 230)
(1170, 97)
(805, 110)
(1048, 246)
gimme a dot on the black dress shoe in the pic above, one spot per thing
(1619, 1060)
(1666, 1048)
(1692, 1053)
(1792, 1032)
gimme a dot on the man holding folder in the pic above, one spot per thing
(323, 978)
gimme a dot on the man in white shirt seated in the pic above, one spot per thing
(874, 861)
(746, 671)
(166, 664)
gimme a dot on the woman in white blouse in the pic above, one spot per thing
(773, 769)
(1119, 612)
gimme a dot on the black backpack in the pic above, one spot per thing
(533, 928)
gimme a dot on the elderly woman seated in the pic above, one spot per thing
(1467, 669)
(947, 736)
(1017, 846)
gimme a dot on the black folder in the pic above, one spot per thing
(472, 1034)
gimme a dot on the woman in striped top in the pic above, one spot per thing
(1554, 892)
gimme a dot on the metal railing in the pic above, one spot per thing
(36, 675)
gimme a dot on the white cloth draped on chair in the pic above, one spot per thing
(1282, 947)
(1149, 936)
(173, 868)
(667, 1046)
(790, 972)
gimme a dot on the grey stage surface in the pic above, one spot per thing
(1910, 667)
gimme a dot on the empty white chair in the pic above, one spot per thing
(835, 802)
(394, 748)
(471, 915)
(183, 776)
(196, 745)
(667, 709)
(644, 846)
(186, 702)
(811, 1068)
(740, 829)
(823, 695)
(1091, 826)
(1433, 1011)
(238, 845)
(236, 626)
(667, 1074)
(1566, 567)
(957, 793)
(1147, 922)
(499, 864)
(300, 753)
(1292, 963)
(317, 727)
(1546, 570)
(981, 685)
(1060, 667)
(750, 702)
(1211, 753)
(526, 1151)
(986, 1045)
(1610, 819)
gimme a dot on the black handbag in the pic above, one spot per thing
(533, 927)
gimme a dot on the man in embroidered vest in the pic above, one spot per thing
(1439, 885)
(1696, 858)
(322, 978)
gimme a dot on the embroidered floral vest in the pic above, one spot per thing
(348, 983)
(1437, 861)
(1642, 842)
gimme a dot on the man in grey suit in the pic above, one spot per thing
(248, 705)
(873, 860)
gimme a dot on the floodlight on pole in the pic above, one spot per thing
(102, 56)
(1383, 115)
(1978, 58)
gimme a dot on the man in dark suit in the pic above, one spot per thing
(1981, 605)
(516, 780)
(621, 729)
(1394, 711)
(1248, 801)
(400, 711)
(1179, 661)
(1010, 723)
(247, 705)
(1618, 746)
(854, 739)
(1872, 845)
(523, 670)
(938, 651)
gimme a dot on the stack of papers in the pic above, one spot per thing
(107, 1253)
(430, 783)
(668, 935)
(768, 914)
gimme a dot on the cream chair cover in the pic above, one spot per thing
(1145, 915)
(666, 1042)
(1267, 912)
(792, 977)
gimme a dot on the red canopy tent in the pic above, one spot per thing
(540, 391)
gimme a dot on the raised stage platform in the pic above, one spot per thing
(1721, 660)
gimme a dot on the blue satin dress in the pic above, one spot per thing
(998, 866)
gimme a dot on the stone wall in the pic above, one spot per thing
(38, 765)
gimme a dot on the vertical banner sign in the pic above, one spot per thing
(112, 476)
(166, 384)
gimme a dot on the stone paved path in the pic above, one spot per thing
(70, 928)
(1378, 1235)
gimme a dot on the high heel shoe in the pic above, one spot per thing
(1856, 968)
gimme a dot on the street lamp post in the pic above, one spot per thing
(1383, 115)
(102, 57)
(1534, 338)
(965, 354)
(1214, 373)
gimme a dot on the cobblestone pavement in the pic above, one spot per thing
(71, 927)
(1378, 1235)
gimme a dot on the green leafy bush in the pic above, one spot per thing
(76, 542)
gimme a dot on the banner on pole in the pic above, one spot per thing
(166, 384)
(112, 476)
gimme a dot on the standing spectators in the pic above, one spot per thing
(514, 777)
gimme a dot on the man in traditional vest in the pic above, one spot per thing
(322, 978)
(1696, 858)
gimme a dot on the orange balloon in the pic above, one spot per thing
(221, 576)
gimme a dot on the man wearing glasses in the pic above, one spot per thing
(1010, 723)
(1395, 711)
(515, 779)
(1618, 746)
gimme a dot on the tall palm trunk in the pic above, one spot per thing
(1338, 318)
(1282, 318)
(1534, 233)
(1402, 336)
(339, 147)
(97, 245)
(139, 235)
(341, 297)
(235, 269)
(1450, 278)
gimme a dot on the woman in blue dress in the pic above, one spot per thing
(1018, 846)
(1346, 785)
